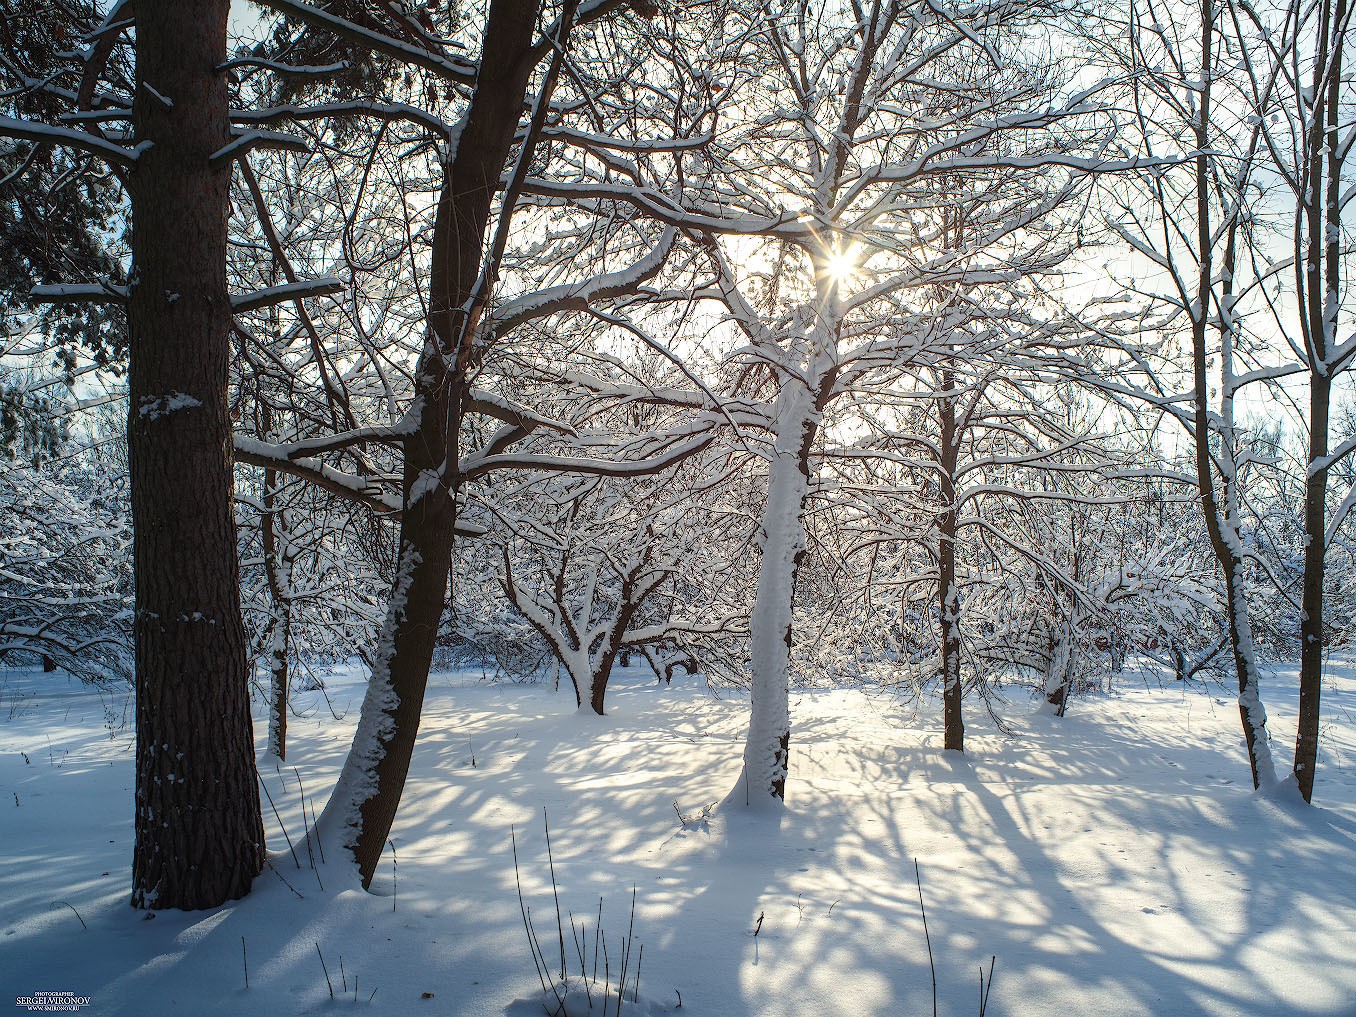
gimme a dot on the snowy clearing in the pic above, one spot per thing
(1115, 861)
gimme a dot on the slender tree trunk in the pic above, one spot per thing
(199, 835)
(278, 573)
(1221, 523)
(364, 802)
(1323, 267)
(948, 598)
(1311, 594)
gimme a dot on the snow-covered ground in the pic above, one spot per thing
(1115, 862)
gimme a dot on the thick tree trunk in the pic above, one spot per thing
(604, 656)
(1059, 671)
(199, 835)
(602, 671)
(767, 749)
(578, 666)
(364, 802)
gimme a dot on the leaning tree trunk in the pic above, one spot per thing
(365, 799)
(1220, 506)
(767, 749)
(199, 835)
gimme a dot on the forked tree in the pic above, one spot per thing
(818, 237)
(1302, 105)
(503, 110)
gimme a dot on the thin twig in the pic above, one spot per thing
(918, 878)
(301, 788)
(326, 970)
(72, 907)
(555, 892)
(626, 954)
(579, 940)
(639, 961)
(284, 879)
(315, 824)
(986, 988)
(597, 933)
(522, 906)
(276, 816)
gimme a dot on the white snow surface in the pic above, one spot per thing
(1116, 861)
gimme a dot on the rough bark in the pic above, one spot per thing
(199, 835)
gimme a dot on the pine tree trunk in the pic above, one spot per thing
(364, 802)
(199, 835)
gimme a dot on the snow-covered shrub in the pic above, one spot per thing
(66, 559)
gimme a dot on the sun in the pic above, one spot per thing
(842, 264)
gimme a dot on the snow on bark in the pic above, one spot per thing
(762, 783)
(341, 820)
(1249, 696)
(154, 408)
